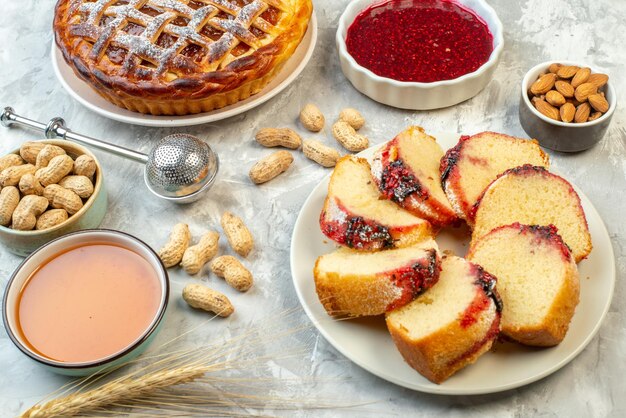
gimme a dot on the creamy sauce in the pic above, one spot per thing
(88, 303)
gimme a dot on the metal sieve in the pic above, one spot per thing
(179, 168)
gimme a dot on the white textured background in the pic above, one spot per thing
(535, 31)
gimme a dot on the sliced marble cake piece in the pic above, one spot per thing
(537, 280)
(406, 171)
(452, 324)
(359, 283)
(475, 161)
(532, 195)
(356, 216)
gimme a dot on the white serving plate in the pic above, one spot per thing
(367, 342)
(86, 96)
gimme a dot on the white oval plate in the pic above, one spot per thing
(367, 342)
(86, 96)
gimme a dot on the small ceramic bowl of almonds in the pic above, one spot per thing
(566, 106)
(47, 189)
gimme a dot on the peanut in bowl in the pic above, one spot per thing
(24, 238)
(567, 124)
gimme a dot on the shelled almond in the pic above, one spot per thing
(569, 93)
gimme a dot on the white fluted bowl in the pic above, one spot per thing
(416, 95)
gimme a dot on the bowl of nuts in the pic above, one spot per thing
(49, 188)
(566, 106)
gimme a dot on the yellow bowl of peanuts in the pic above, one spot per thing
(48, 188)
(567, 106)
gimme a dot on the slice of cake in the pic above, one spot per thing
(406, 171)
(357, 283)
(537, 280)
(470, 166)
(533, 196)
(450, 325)
(355, 214)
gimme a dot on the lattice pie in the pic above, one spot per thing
(176, 57)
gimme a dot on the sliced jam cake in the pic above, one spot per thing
(406, 171)
(475, 161)
(533, 196)
(358, 283)
(537, 280)
(452, 324)
(355, 214)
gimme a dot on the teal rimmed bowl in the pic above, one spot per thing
(89, 216)
(58, 246)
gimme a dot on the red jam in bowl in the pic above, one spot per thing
(419, 40)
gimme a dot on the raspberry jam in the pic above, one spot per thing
(356, 232)
(419, 40)
(397, 181)
(416, 279)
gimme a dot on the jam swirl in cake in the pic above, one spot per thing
(416, 278)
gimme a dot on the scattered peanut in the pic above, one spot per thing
(26, 213)
(50, 218)
(237, 233)
(320, 153)
(352, 117)
(58, 167)
(11, 176)
(9, 199)
(81, 185)
(271, 166)
(30, 185)
(312, 118)
(202, 297)
(172, 252)
(278, 137)
(348, 138)
(84, 166)
(196, 256)
(233, 272)
(62, 198)
(30, 149)
(10, 160)
(46, 154)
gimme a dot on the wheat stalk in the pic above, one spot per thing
(153, 387)
(115, 392)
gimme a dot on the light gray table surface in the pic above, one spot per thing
(535, 30)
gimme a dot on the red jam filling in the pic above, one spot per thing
(487, 285)
(546, 234)
(415, 279)
(419, 40)
(356, 232)
(397, 181)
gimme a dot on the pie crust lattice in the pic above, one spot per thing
(178, 48)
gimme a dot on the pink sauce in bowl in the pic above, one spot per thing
(419, 40)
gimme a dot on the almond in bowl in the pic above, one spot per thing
(567, 106)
